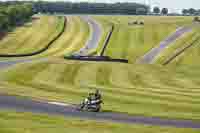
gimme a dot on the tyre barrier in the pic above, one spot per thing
(107, 40)
(95, 58)
(41, 50)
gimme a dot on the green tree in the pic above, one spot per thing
(12, 14)
(164, 11)
(3, 21)
(184, 11)
(156, 10)
(141, 11)
(191, 11)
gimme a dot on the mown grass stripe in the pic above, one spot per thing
(60, 31)
(68, 39)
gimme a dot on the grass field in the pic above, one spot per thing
(133, 41)
(136, 89)
(12, 122)
(32, 36)
(149, 90)
(73, 38)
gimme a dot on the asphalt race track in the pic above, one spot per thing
(26, 105)
(95, 36)
(149, 57)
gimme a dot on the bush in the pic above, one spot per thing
(196, 19)
(136, 22)
(141, 23)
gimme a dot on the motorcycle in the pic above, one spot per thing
(93, 105)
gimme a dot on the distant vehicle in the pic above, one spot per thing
(136, 23)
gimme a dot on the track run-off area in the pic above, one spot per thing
(91, 42)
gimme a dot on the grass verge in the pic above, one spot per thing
(12, 122)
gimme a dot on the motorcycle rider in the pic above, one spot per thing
(90, 97)
(97, 94)
(94, 98)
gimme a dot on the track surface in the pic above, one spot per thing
(95, 36)
(21, 104)
(6, 64)
(26, 105)
(151, 55)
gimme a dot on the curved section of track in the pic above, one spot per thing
(149, 57)
(95, 36)
(26, 105)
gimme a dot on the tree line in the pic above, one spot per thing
(163, 11)
(191, 11)
(85, 7)
(90, 8)
(14, 14)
